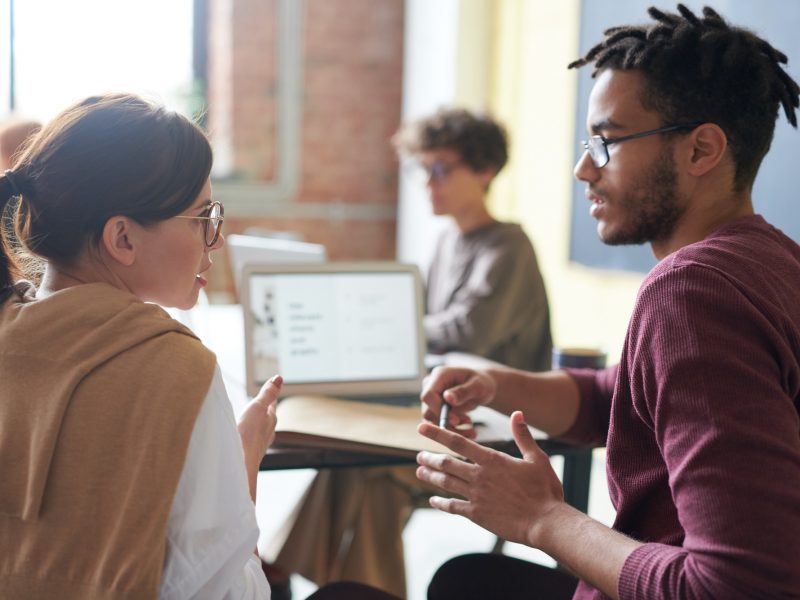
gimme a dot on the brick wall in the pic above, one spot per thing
(351, 99)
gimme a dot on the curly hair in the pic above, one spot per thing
(480, 141)
(705, 70)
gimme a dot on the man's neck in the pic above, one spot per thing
(700, 220)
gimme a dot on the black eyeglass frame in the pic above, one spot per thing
(210, 221)
(599, 144)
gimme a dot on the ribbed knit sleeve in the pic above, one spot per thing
(712, 369)
(596, 391)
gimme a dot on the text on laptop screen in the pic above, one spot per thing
(333, 327)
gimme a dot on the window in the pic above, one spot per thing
(64, 51)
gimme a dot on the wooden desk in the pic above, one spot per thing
(221, 329)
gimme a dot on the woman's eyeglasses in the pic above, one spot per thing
(213, 217)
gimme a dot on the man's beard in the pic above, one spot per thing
(653, 208)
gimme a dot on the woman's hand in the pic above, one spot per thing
(257, 428)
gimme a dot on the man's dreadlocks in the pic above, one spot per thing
(704, 70)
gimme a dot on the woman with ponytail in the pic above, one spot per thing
(124, 475)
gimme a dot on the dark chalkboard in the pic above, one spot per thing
(776, 193)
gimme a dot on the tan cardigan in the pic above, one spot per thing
(99, 393)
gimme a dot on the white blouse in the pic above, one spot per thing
(212, 530)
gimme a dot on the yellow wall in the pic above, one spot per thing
(475, 53)
(528, 87)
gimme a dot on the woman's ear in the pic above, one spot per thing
(118, 240)
(709, 144)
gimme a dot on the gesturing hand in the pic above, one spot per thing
(508, 496)
(257, 427)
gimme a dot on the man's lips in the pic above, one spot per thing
(598, 202)
(594, 197)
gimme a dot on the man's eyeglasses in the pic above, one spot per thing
(438, 172)
(597, 145)
(213, 217)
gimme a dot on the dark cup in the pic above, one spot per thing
(578, 358)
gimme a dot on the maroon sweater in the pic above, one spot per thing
(701, 422)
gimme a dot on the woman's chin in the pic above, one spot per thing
(186, 303)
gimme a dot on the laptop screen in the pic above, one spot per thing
(334, 328)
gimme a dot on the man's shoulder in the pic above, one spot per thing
(748, 258)
(742, 239)
(744, 246)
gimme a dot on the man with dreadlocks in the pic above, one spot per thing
(700, 417)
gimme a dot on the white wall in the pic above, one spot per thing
(429, 82)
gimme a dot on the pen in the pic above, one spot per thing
(445, 412)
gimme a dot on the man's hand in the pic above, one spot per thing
(508, 496)
(257, 428)
(463, 389)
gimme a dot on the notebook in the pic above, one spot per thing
(253, 249)
(350, 330)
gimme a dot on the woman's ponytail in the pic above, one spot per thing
(8, 266)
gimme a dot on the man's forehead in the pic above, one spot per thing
(615, 101)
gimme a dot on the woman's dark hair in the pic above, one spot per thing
(705, 70)
(479, 140)
(109, 155)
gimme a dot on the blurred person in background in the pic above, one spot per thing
(485, 294)
(13, 134)
(485, 297)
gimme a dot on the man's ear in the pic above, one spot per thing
(709, 144)
(118, 240)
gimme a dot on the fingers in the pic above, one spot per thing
(441, 381)
(454, 506)
(444, 481)
(431, 396)
(456, 421)
(522, 436)
(447, 464)
(455, 442)
(257, 422)
(446, 472)
(462, 389)
(269, 392)
(477, 389)
(462, 423)
(272, 415)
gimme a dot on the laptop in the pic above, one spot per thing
(351, 330)
(253, 249)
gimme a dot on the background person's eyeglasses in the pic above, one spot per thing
(597, 145)
(213, 217)
(438, 172)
